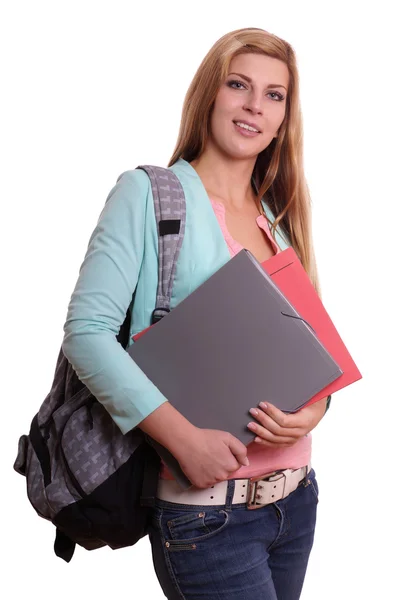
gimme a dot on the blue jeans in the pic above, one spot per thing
(227, 552)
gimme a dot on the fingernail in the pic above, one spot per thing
(257, 439)
(253, 411)
(263, 405)
(252, 425)
(246, 462)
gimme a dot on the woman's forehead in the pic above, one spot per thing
(265, 69)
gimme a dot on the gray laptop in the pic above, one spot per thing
(232, 343)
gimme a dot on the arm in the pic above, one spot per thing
(98, 305)
(205, 456)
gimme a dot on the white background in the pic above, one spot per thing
(90, 89)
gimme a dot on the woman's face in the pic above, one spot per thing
(253, 95)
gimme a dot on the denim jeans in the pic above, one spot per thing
(227, 552)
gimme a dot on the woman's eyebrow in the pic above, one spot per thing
(249, 80)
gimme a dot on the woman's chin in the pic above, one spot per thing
(241, 154)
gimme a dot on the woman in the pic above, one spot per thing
(239, 160)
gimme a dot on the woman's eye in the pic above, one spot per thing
(279, 96)
(232, 84)
(238, 85)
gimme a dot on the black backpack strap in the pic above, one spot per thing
(64, 547)
(170, 213)
(151, 474)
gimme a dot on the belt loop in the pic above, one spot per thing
(306, 479)
(230, 494)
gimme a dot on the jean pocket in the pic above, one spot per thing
(188, 528)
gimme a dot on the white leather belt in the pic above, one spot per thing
(255, 491)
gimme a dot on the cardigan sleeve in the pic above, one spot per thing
(98, 305)
(328, 401)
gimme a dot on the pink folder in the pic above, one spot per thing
(289, 275)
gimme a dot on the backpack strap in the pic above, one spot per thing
(170, 213)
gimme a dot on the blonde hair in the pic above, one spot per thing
(279, 171)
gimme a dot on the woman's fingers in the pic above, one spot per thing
(272, 426)
(272, 445)
(293, 420)
(269, 436)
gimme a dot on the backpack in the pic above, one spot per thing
(96, 485)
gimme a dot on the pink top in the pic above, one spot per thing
(262, 460)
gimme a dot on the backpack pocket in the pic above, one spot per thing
(20, 461)
(93, 447)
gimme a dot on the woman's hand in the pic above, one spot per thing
(210, 455)
(277, 429)
(206, 456)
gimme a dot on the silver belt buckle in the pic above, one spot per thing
(255, 484)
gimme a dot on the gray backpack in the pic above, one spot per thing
(95, 484)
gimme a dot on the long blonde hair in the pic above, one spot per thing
(278, 172)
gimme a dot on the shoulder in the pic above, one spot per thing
(129, 192)
(132, 182)
(126, 203)
(134, 177)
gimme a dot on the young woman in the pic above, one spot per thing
(239, 160)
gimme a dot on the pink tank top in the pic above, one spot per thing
(262, 460)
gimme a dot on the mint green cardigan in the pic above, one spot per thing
(122, 256)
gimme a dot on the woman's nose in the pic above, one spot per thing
(254, 103)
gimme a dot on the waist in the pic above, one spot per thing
(253, 491)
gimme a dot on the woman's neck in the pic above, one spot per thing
(226, 179)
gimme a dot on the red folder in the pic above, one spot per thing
(290, 276)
